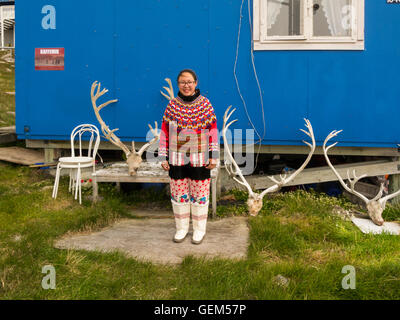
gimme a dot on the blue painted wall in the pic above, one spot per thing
(132, 46)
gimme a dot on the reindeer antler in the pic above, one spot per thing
(156, 135)
(169, 90)
(283, 180)
(353, 181)
(228, 165)
(374, 206)
(108, 134)
(134, 158)
(255, 199)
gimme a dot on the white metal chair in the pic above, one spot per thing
(77, 162)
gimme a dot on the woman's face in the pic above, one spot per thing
(187, 84)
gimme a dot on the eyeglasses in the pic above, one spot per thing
(187, 83)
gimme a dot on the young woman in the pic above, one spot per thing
(189, 143)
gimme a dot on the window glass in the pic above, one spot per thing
(332, 18)
(285, 17)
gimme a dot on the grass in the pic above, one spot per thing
(295, 235)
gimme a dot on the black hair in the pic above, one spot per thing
(188, 71)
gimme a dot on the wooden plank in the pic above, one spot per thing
(21, 156)
(66, 144)
(343, 151)
(7, 129)
(7, 138)
(325, 174)
(133, 180)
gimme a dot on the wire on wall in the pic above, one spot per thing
(260, 138)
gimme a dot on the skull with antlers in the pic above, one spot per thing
(133, 157)
(255, 200)
(374, 206)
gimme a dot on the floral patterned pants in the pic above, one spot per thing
(190, 191)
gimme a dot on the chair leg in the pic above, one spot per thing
(80, 188)
(77, 178)
(70, 180)
(56, 182)
(73, 177)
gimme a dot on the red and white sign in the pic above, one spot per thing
(49, 58)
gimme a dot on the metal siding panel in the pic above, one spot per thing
(21, 66)
(355, 91)
(282, 77)
(132, 46)
(60, 100)
(155, 40)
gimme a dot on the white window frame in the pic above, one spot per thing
(307, 41)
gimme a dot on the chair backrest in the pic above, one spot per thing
(89, 130)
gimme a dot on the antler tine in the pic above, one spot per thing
(379, 195)
(226, 116)
(237, 171)
(109, 134)
(355, 179)
(155, 138)
(353, 183)
(310, 131)
(99, 93)
(240, 182)
(169, 90)
(226, 119)
(388, 197)
(274, 180)
(155, 130)
(334, 133)
(166, 96)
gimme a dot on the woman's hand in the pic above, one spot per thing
(165, 165)
(212, 164)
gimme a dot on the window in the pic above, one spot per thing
(308, 24)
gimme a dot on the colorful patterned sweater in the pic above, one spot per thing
(189, 132)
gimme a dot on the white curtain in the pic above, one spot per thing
(273, 9)
(337, 14)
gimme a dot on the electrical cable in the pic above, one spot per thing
(234, 71)
(255, 74)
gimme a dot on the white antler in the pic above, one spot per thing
(285, 180)
(254, 201)
(170, 91)
(353, 181)
(228, 165)
(134, 158)
(108, 134)
(374, 206)
(156, 135)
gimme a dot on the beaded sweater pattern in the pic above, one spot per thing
(196, 115)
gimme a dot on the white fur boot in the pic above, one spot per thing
(182, 219)
(199, 219)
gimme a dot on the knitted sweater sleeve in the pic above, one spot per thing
(163, 146)
(213, 145)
